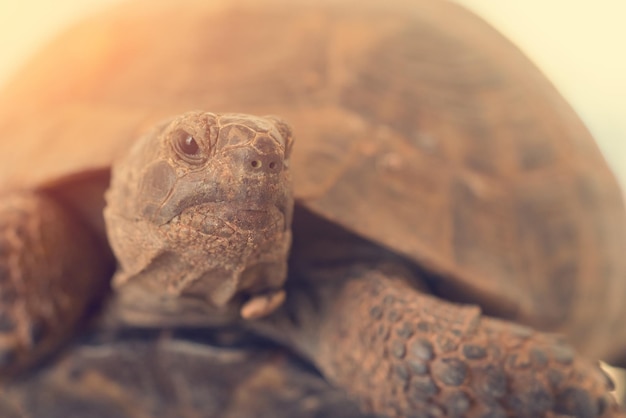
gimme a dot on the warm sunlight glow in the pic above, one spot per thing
(579, 45)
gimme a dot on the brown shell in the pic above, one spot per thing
(418, 126)
(153, 374)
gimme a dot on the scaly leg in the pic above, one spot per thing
(51, 269)
(405, 353)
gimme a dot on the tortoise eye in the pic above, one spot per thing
(187, 147)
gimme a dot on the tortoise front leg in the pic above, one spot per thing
(405, 353)
(51, 268)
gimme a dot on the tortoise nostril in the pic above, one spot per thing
(268, 164)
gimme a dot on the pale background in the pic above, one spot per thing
(580, 45)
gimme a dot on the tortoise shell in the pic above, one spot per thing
(133, 374)
(419, 127)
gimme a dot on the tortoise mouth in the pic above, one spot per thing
(259, 218)
(225, 221)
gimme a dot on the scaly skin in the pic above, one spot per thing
(51, 269)
(404, 353)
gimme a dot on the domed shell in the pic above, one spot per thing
(418, 126)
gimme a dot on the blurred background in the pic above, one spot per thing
(579, 45)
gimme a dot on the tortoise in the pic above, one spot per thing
(436, 174)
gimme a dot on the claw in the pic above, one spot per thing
(261, 305)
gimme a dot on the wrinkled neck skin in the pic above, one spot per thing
(199, 277)
(197, 241)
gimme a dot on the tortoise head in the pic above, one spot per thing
(200, 209)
